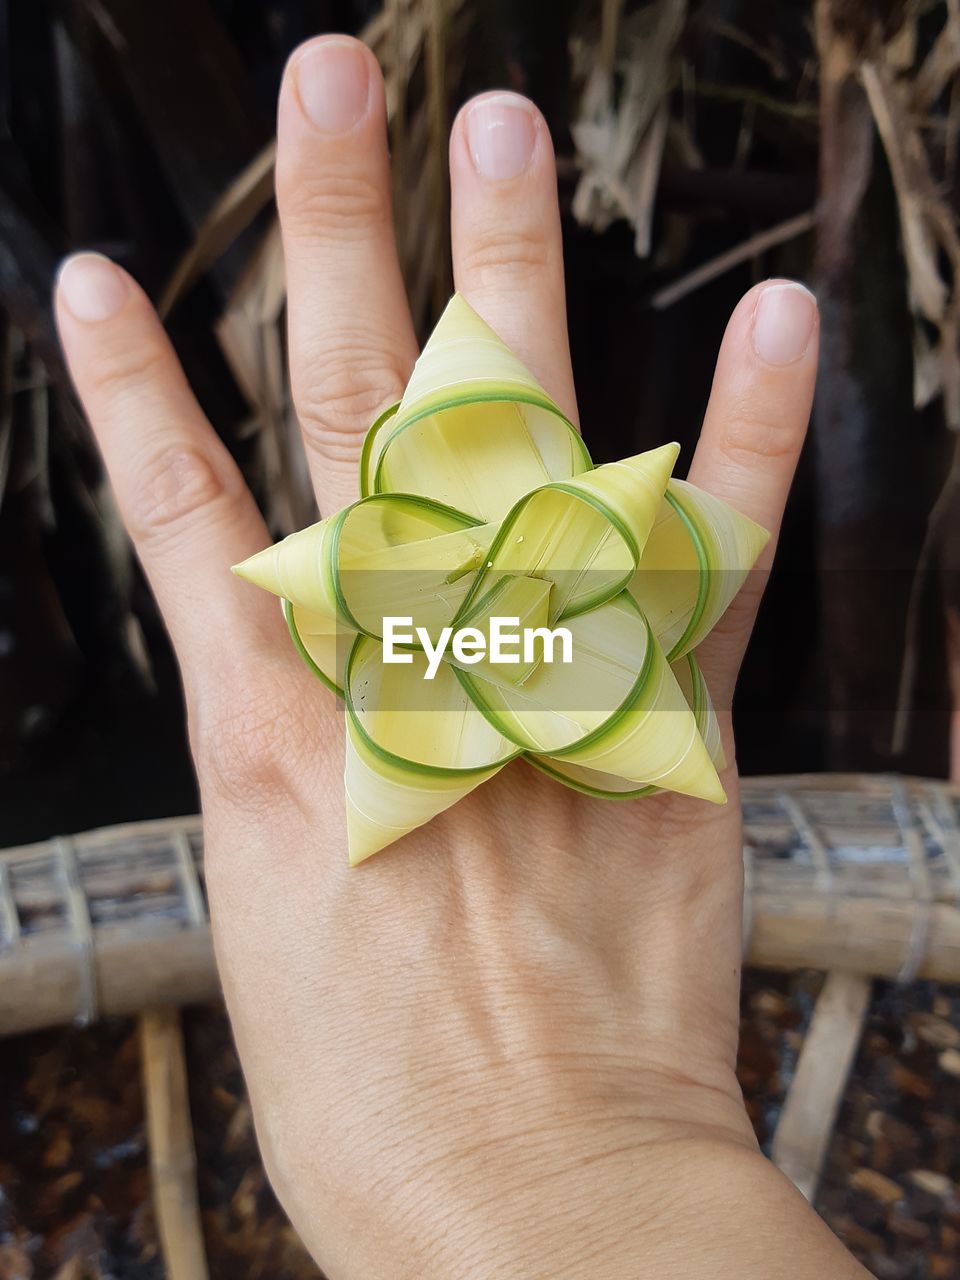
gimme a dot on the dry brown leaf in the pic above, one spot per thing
(940, 65)
(929, 236)
(15, 1264)
(246, 197)
(620, 136)
(250, 333)
(935, 1184)
(877, 1186)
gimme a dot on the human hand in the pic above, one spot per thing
(507, 1045)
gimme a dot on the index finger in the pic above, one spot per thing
(181, 495)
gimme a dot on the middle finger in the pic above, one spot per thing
(507, 246)
(352, 344)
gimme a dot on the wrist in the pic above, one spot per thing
(693, 1207)
(508, 1178)
(539, 1181)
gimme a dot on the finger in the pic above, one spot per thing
(352, 344)
(507, 246)
(754, 429)
(182, 497)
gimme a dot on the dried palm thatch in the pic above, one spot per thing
(854, 873)
(631, 69)
(621, 129)
(912, 97)
(408, 36)
(901, 95)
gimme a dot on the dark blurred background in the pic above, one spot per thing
(815, 140)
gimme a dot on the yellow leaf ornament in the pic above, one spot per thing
(493, 594)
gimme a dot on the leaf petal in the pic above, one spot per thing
(324, 645)
(616, 707)
(695, 560)
(584, 535)
(414, 747)
(474, 430)
(609, 786)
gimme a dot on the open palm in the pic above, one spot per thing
(535, 983)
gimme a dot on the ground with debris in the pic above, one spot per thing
(75, 1188)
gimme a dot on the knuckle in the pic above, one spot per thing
(335, 208)
(732, 630)
(245, 743)
(344, 392)
(521, 252)
(175, 484)
(728, 637)
(112, 370)
(751, 433)
(736, 624)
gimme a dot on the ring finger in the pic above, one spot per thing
(752, 436)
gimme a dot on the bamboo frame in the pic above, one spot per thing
(173, 1160)
(843, 872)
(806, 1123)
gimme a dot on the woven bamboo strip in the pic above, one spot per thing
(9, 920)
(843, 872)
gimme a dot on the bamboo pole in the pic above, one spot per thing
(40, 986)
(869, 936)
(173, 1163)
(163, 963)
(889, 910)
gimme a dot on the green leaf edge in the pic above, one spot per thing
(301, 648)
(506, 527)
(703, 590)
(541, 762)
(501, 396)
(388, 757)
(411, 499)
(595, 735)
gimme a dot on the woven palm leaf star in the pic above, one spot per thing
(481, 502)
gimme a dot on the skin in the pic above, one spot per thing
(506, 1046)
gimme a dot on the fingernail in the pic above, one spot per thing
(333, 81)
(501, 133)
(92, 287)
(783, 323)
